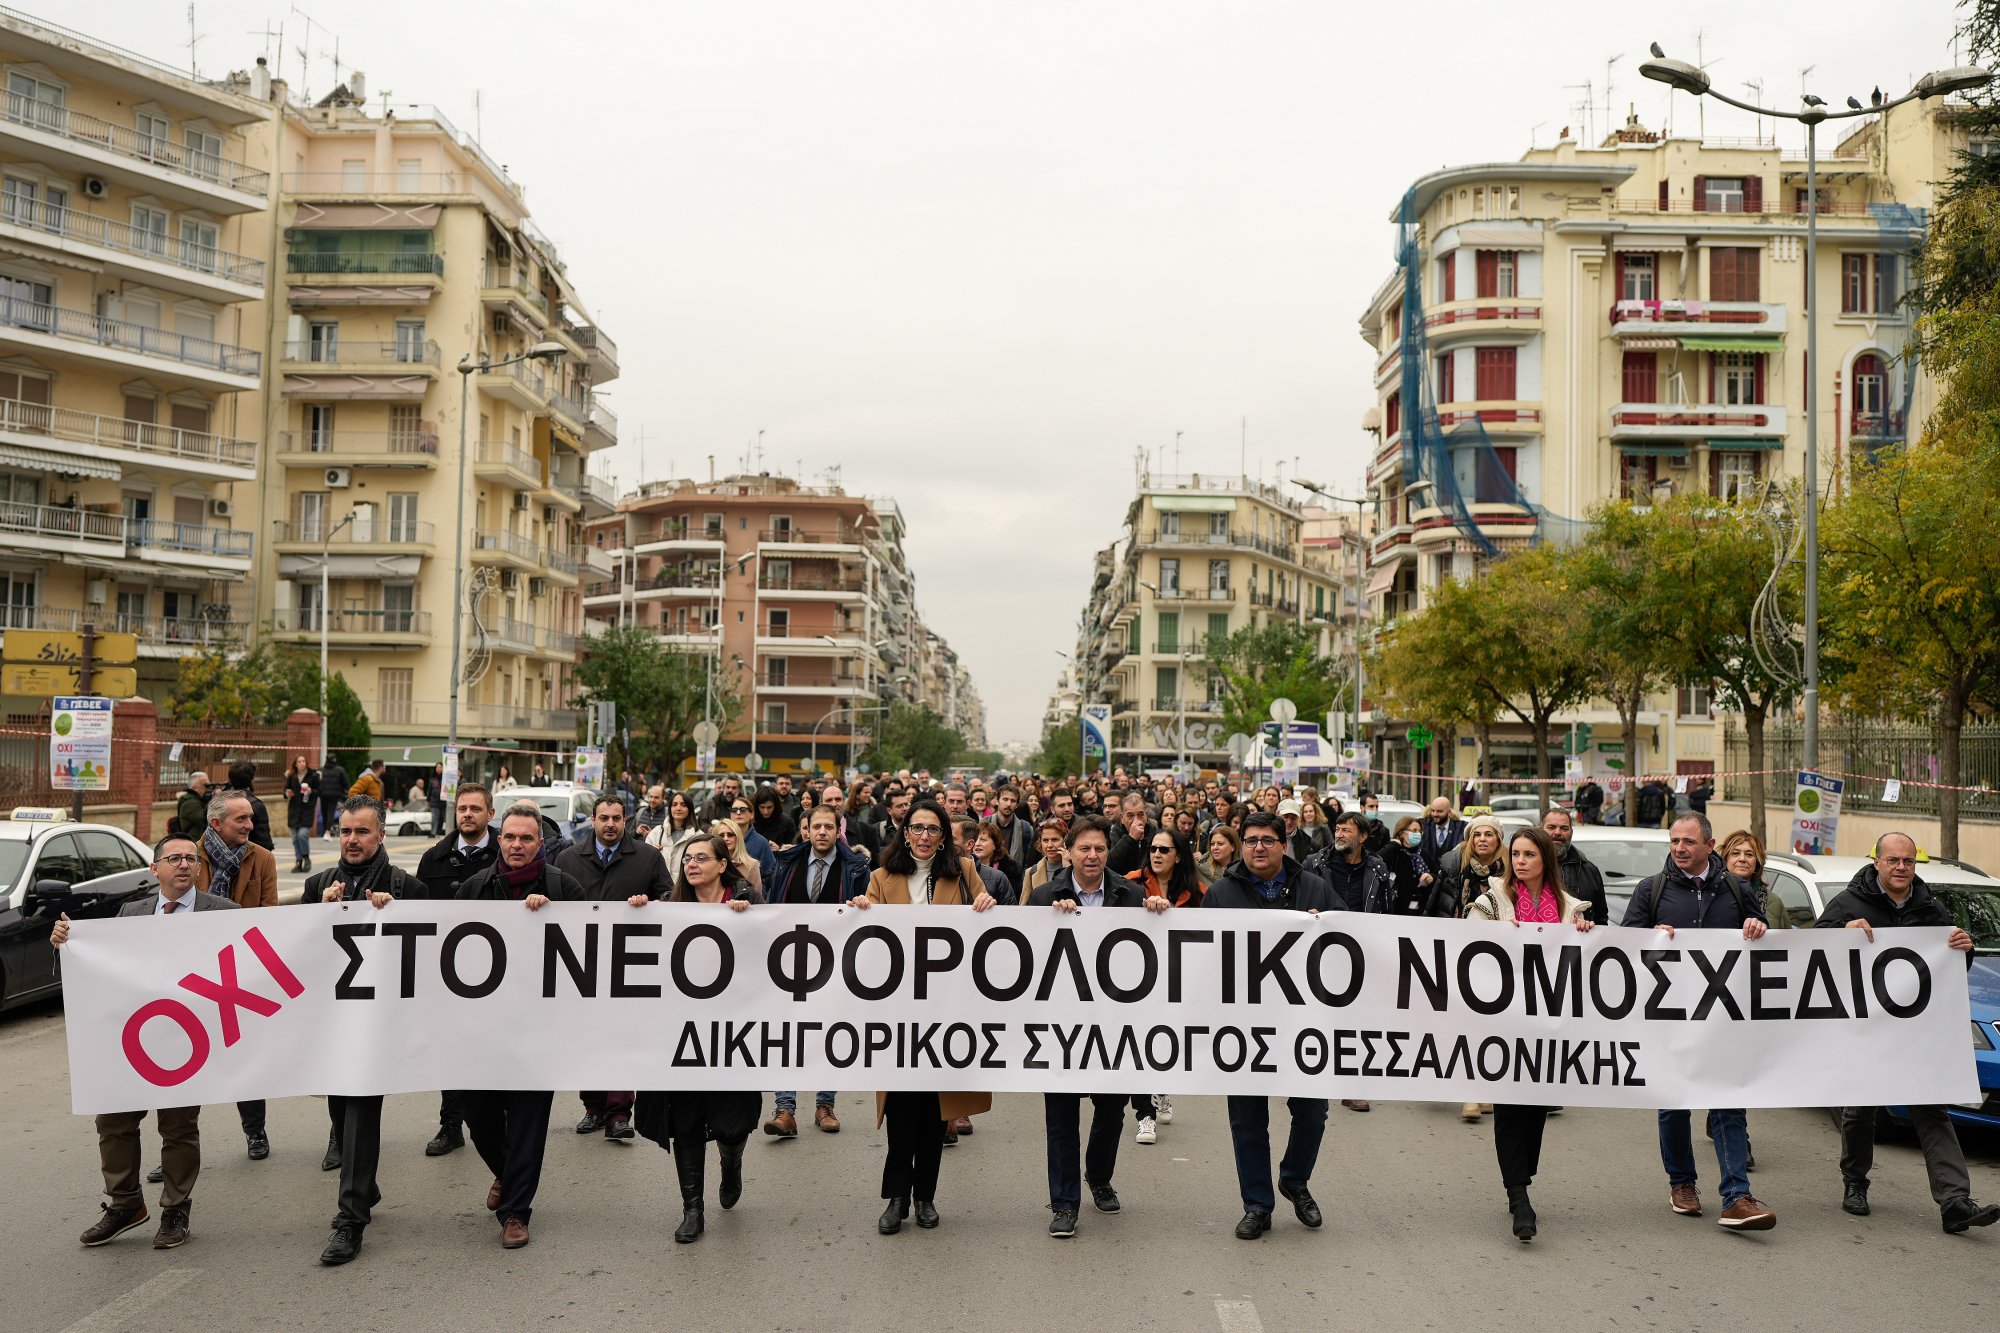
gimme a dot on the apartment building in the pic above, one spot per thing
(1628, 321)
(431, 417)
(132, 280)
(800, 594)
(1200, 558)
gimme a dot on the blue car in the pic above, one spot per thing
(1985, 984)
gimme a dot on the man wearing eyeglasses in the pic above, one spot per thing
(1266, 879)
(175, 860)
(1887, 895)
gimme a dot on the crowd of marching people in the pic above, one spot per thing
(1056, 845)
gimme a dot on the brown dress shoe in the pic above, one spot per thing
(1355, 1103)
(1747, 1214)
(114, 1222)
(1683, 1200)
(827, 1121)
(173, 1231)
(513, 1233)
(493, 1198)
(782, 1125)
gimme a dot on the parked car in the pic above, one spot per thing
(49, 866)
(566, 803)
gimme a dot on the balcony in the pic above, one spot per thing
(565, 488)
(87, 146)
(601, 430)
(842, 685)
(496, 460)
(367, 263)
(1877, 427)
(557, 644)
(603, 592)
(1491, 318)
(354, 629)
(195, 544)
(496, 546)
(64, 332)
(397, 357)
(1500, 416)
(564, 566)
(1696, 421)
(1195, 595)
(1707, 319)
(810, 587)
(362, 274)
(62, 530)
(368, 533)
(512, 720)
(600, 495)
(678, 581)
(600, 351)
(176, 636)
(354, 448)
(135, 444)
(599, 561)
(372, 185)
(679, 536)
(511, 286)
(837, 539)
(697, 641)
(521, 384)
(798, 642)
(573, 411)
(133, 253)
(510, 635)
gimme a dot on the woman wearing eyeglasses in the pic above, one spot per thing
(922, 867)
(685, 1121)
(1530, 892)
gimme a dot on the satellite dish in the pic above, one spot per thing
(1284, 711)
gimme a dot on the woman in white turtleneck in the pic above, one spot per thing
(921, 868)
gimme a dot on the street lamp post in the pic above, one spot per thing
(1690, 78)
(325, 559)
(542, 351)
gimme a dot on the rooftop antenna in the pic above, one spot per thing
(305, 56)
(194, 40)
(1755, 87)
(760, 451)
(1586, 110)
(1177, 451)
(1531, 133)
(268, 36)
(1610, 125)
(1242, 445)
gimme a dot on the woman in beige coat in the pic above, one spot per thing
(921, 867)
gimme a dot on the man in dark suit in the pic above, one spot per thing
(469, 848)
(1443, 830)
(180, 1126)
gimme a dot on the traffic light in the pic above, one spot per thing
(1273, 737)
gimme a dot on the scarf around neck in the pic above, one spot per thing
(526, 877)
(358, 881)
(224, 861)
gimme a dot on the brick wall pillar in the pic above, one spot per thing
(135, 762)
(301, 737)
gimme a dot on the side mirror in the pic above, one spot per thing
(46, 892)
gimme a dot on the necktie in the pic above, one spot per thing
(173, 906)
(604, 854)
(818, 880)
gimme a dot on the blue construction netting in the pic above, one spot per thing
(1456, 461)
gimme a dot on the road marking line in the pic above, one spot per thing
(1234, 1316)
(142, 1297)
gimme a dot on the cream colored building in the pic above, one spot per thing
(1201, 557)
(1628, 320)
(405, 252)
(133, 272)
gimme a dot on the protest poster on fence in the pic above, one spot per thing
(348, 998)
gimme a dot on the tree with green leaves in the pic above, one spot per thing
(1628, 619)
(225, 686)
(1420, 674)
(912, 737)
(1062, 748)
(1281, 660)
(660, 692)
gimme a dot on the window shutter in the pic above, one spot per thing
(1714, 473)
(1664, 199)
(1757, 377)
(1488, 262)
(1701, 194)
(1753, 194)
(1641, 383)
(1712, 357)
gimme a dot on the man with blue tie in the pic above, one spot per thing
(613, 866)
(174, 862)
(820, 870)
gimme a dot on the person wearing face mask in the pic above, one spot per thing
(1378, 833)
(1404, 856)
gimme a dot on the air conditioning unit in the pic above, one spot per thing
(96, 592)
(509, 580)
(1680, 462)
(222, 508)
(339, 478)
(548, 513)
(521, 502)
(538, 587)
(502, 326)
(95, 188)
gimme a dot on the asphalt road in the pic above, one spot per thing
(1416, 1236)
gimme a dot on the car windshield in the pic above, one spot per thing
(13, 855)
(1625, 860)
(1976, 908)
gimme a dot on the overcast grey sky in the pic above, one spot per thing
(978, 254)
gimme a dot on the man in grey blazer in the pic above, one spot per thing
(174, 861)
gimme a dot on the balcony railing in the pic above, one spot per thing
(604, 419)
(349, 261)
(101, 432)
(1668, 419)
(514, 280)
(795, 582)
(600, 490)
(511, 631)
(1195, 595)
(90, 229)
(84, 327)
(513, 717)
(841, 535)
(563, 562)
(506, 543)
(191, 538)
(372, 183)
(27, 520)
(573, 408)
(792, 680)
(41, 617)
(1723, 317)
(1877, 425)
(79, 128)
(682, 532)
(530, 377)
(1483, 309)
(371, 532)
(334, 443)
(502, 454)
(306, 620)
(593, 339)
(401, 352)
(180, 631)
(556, 641)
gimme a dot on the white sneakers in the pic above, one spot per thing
(1164, 1105)
(1147, 1133)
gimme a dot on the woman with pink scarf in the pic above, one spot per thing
(1530, 893)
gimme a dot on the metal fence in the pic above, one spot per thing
(1877, 751)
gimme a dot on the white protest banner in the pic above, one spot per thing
(348, 998)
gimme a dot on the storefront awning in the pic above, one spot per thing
(1383, 577)
(52, 460)
(1736, 446)
(1656, 450)
(1763, 342)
